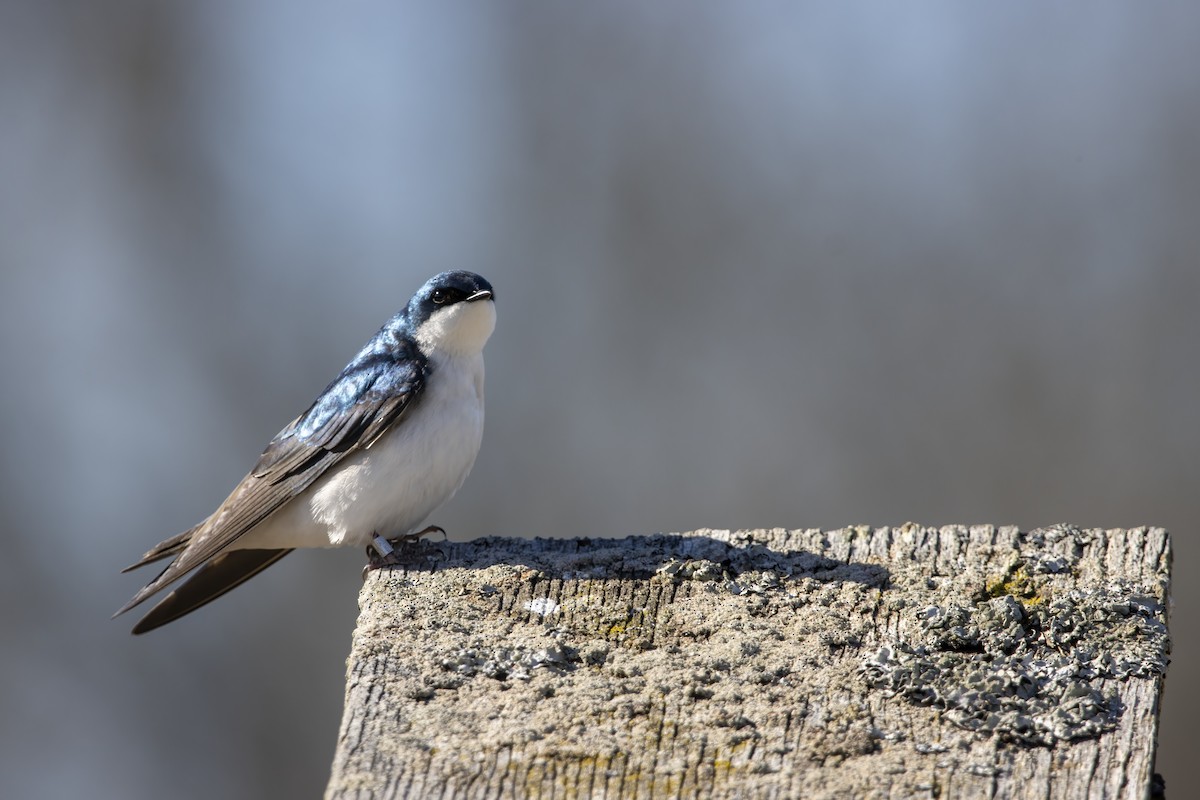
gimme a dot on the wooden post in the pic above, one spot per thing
(888, 662)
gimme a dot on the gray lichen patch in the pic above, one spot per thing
(510, 663)
(1028, 673)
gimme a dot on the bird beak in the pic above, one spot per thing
(482, 294)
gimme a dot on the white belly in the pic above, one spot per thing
(391, 487)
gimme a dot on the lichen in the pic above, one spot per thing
(511, 663)
(1026, 673)
(1014, 582)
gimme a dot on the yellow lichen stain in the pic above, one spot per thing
(629, 632)
(1016, 583)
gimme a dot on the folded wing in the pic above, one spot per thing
(370, 396)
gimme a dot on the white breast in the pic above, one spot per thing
(391, 487)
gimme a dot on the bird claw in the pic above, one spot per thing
(412, 537)
(382, 552)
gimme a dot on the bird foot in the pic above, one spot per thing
(381, 552)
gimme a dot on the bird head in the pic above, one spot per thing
(454, 313)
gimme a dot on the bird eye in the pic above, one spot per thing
(443, 297)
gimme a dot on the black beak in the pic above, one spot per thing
(482, 294)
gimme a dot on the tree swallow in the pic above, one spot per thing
(390, 440)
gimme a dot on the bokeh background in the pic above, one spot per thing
(757, 264)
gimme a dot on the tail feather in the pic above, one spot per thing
(221, 574)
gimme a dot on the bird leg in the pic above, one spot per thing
(379, 549)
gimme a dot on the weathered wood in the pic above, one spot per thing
(891, 662)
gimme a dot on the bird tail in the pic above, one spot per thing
(216, 577)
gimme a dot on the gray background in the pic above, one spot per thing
(757, 265)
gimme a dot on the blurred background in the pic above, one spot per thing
(757, 264)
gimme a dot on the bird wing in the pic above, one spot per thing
(167, 547)
(367, 399)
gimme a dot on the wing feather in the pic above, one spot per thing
(165, 548)
(367, 399)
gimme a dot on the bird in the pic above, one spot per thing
(389, 440)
